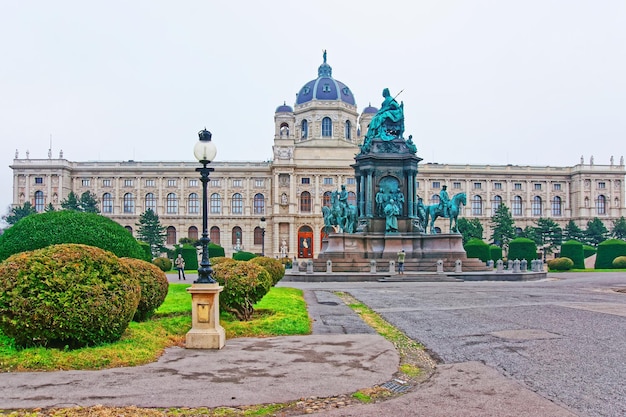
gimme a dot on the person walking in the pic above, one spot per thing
(179, 262)
(401, 256)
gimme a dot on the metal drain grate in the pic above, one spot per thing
(393, 386)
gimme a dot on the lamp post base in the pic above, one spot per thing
(206, 332)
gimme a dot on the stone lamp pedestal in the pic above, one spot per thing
(206, 332)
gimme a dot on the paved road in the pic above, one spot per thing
(563, 338)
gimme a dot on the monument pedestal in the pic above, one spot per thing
(206, 332)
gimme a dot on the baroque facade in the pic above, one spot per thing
(314, 146)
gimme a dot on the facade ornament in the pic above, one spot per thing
(17, 154)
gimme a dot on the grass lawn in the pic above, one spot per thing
(281, 312)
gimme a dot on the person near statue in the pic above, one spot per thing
(401, 257)
(444, 201)
(391, 216)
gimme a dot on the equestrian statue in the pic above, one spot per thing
(446, 209)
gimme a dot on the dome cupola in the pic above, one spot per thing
(325, 88)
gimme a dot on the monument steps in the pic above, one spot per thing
(382, 265)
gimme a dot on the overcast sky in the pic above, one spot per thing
(484, 82)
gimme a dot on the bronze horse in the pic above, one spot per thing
(434, 210)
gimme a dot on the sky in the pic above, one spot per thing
(532, 82)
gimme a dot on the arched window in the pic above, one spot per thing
(326, 199)
(129, 203)
(171, 235)
(150, 202)
(516, 208)
(284, 130)
(327, 127)
(193, 204)
(236, 235)
(258, 235)
(586, 202)
(537, 208)
(305, 129)
(259, 204)
(130, 229)
(477, 206)
(107, 203)
(236, 206)
(495, 204)
(192, 232)
(556, 206)
(305, 202)
(435, 199)
(214, 235)
(171, 203)
(40, 201)
(601, 204)
(348, 133)
(352, 198)
(216, 203)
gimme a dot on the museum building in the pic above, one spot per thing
(315, 143)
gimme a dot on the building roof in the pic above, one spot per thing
(325, 87)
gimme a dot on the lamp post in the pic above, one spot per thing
(262, 225)
(205, 152)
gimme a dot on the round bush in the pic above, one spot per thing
(560, 264)
(153, 284)
(222, 259)
(245, 284)
(164, 264)
(495, 252)
(66, 295)
(522, 248)
(573, 250)
(67, 226)
(243, 256)
(273, 266)
(619, 262)
(609, 250)
(476, 248)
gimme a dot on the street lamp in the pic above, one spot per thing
(205, 152)
(262, 225)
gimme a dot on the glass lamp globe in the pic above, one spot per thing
(205, 150)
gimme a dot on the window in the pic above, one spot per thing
(215, 202)
(215, 183)
(237, 183)
(305, 202)
(39, 201)
(149, 183)
(456, 185)
(236, 206)
(305, 129)
(351, 198)
(171, 183)
(192, 232)
(478, 185)
(259, 204)
(128, 183)
(85, 182)
(107, 203)
(350, 181)
(477, 206)
(537, 186)
(602, 184)
(348, 133)
(258, 235)
(600, 205)
(435, 199)
(193, 204)
(129, 203)
(171, 202)
(516, 208)
(497, 185)
(171, 235)
(193, 183)
(495, 204)
(106, 183)
(306, 180)
(556, 206)
(537, 205)
(326, 199)
(236, 235)
(328, 181)
(38, 180)
(557, 187)
(150, 202)
(327, 127)
(214, 235)
(417, 185)
(259, 182)
(436, 184)
(517, 186)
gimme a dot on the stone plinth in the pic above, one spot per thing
(206, 332)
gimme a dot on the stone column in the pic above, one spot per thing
(206, 332)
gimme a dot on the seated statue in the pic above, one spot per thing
(388, 122)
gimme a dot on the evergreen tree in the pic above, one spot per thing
(548, 234)
(596, 232)
(619, 228)
(470, 229)
(89, 202)
(151, 231)
(71, 202)
(573, 232)
(49, 208)
(19, 212)
(502, 230)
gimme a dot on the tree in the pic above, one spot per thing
(19, 212)
(573, 232)
(89, 202)
(71, 202)
(502, 230)
(49, 208)
(470, 229)
(619, 228)
(596, 232)
(548, 234)
(151, 231)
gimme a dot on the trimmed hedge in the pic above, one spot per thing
(560, 264)
(66, 295)
(495, 253)
(522, 248)
(608, 251)
(215, 250)
(273, 266)
(589, 250)
(190, 255)
(66, 226)
(476, 248)
(164, 264)
(573, 250)
(147, 252)
(153, 284)
(243, 256)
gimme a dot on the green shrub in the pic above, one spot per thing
(147, 252)
(153, 284)
(573, 250)
(68, 226)
(588, 251)
(476, 248)
(243, 256)
(273, 266)
(221, 259)
(495, 252)
(66, 295)
(215, 250)
(619, 262)
(245, 284)
(164, 264)
(522, 248)
(607, 252)
(560, 264)
(190, 255)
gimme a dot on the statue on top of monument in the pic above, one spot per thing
(387, 124)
